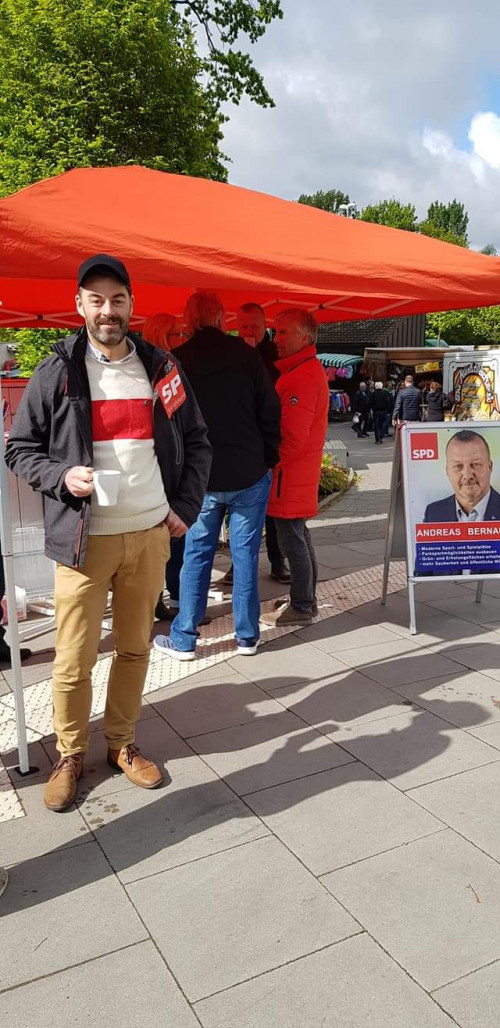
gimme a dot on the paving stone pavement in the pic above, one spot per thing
(325, 849)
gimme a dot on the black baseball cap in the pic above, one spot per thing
(104, 264)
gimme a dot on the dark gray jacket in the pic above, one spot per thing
(407, 406)
(52, 432)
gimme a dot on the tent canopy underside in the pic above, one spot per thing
(177, 234)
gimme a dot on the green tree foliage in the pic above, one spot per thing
(329, 201)
(33, 344)
(489, 250)
(103, 82)
(392, 213)
(106, 82)
(477, 326)
(231, 73)
(446, 221)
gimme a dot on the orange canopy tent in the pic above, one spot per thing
(177, 234)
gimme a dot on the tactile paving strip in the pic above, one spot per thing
(10, 804)
(215, 645)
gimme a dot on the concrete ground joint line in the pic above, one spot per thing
(410, 976)
(287, 963)
(71, 967)
(462, 977)
(267, 834)
(382, 853)
(452, 774)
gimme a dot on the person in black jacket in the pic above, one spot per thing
(107, 405)
(408, 400)
(251, 322)
(435, 403)
(363, 406)
(381, 407)
(242, 412)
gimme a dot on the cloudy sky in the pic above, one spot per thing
(379, 98)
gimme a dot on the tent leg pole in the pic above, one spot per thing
(413, 612)
(479, 591)
(10, 593)
(17, 674)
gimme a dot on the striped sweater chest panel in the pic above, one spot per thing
(122, 429)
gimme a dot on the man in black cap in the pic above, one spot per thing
(110, 432)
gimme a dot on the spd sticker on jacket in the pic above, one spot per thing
(171, 392)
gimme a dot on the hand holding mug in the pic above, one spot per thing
(79, 481)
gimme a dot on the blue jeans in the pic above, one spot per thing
(247, 510)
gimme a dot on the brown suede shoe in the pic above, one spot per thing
(137, 768)
(286, 615)
(61, 787)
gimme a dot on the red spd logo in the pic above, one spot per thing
(424, 445)
(171, 392)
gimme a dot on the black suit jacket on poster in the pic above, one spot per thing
(446, 510)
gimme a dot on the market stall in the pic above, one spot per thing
(341, 372)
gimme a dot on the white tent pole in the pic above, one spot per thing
(10, 593)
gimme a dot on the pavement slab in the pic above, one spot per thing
(129, 987)
(350, 984)
(340, 816)
(467, 700)
(41, 831)
(474, 1001)
(395, 663)
(237, 914)
(347, 700)
(145, 832)
(286, 662)
(70, 887)
(434, 906)
(465, 803)
(206, 706)
(414, 748)
(272, 750)
(346, 632)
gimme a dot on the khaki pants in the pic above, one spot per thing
(133, 566)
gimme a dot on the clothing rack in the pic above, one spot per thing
(339, 405)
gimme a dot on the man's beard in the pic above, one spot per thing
(110, 338)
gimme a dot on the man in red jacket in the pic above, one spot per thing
(303, 392)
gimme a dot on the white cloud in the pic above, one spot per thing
(484, 134)
(378, 98)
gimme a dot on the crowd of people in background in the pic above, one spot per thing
(377, 406)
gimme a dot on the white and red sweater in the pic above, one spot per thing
(122, 430)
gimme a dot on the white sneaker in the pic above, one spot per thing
(248, 651)
(163, 644)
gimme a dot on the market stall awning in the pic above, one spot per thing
(177, 234)
(339, 360)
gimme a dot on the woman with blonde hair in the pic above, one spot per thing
(164, 331)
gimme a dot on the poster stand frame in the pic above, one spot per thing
(399, 506)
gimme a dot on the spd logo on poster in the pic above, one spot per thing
(171, 392)
(424, 445)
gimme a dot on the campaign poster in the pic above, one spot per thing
(451, 482)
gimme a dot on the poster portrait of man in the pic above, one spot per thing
(469, 468)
